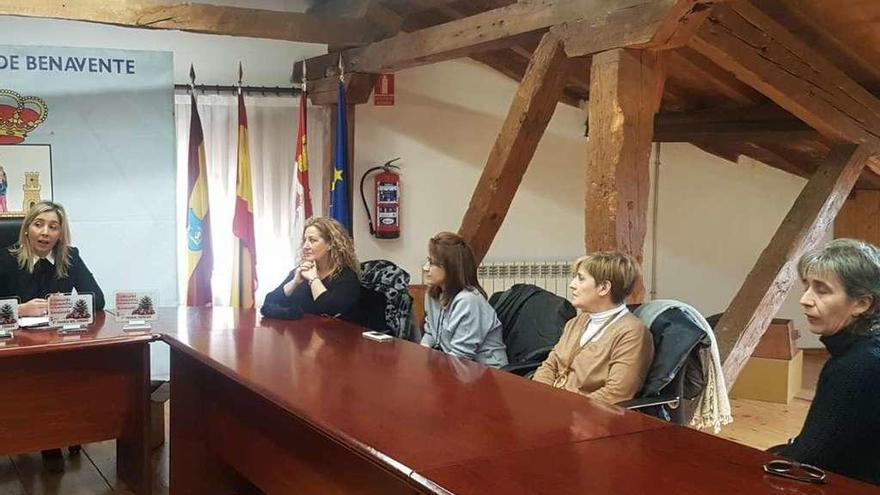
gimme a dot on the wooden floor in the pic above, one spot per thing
(764, 424)
(93, 472)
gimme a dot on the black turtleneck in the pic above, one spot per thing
(842, 429)
(17, 282)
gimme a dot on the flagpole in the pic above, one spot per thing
(240, 76)
(341, 69)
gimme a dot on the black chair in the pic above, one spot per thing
(386, 305)
(675, 378)
(532, 320)
(9, 228)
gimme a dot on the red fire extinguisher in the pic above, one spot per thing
(386, 189)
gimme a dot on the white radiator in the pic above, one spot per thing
(553, 276)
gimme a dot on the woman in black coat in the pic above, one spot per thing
(842, 304)
(43, 262)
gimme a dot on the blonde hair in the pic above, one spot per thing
(23, 252)
(341, 246)
(619, 269)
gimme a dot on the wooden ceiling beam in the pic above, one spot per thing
(762, 123)
(202, 18)
(500, 28)
(809, 20)
(658, 25)
(358, 88)
(762, 53)
(686, 59)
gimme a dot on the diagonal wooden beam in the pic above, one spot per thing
(501, 28)
(768, 283)
(202, 18)
(625, 93)
(530, 112)
(762, 53)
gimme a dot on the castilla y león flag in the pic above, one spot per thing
(302, 195)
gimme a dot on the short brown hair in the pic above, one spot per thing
(619, 269)
(453, 253)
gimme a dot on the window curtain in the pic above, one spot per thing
(272, 126)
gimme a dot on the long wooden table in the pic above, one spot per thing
(312, 407)
(61, 390)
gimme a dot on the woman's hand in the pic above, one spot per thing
(308, 271)
(300, 274)
(34, 307)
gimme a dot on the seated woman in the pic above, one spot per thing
(43, 262)
(458, 319)
(326, 281)
(604, 352)
(842, 305)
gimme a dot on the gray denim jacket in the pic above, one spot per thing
(468, 327)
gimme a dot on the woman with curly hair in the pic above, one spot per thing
(326, 282)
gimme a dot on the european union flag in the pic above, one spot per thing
(339, 187)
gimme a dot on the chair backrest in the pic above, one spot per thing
(676, 370)
(9, 228)
(386, 298)
(532, 320)
(676, 337)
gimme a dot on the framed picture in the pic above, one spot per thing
(25, 177)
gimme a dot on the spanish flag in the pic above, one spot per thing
(198, 225)
(244, 267)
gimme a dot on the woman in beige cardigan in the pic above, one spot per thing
(604, 352)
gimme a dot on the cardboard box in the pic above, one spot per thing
(771, 380)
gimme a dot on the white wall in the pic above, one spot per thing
(714, 219)
(443, 125)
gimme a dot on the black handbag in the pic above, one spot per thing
(280, 312)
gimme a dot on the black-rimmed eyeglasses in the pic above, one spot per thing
(796, 471)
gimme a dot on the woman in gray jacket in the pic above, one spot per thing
(458, 319)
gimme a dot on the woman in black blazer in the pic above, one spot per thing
(43, 262)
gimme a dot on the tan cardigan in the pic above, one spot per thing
(611, 368)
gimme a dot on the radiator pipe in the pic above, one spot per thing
(654, 216)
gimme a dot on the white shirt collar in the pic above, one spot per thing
(599, 323)
(50, 258)
(603, 315)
